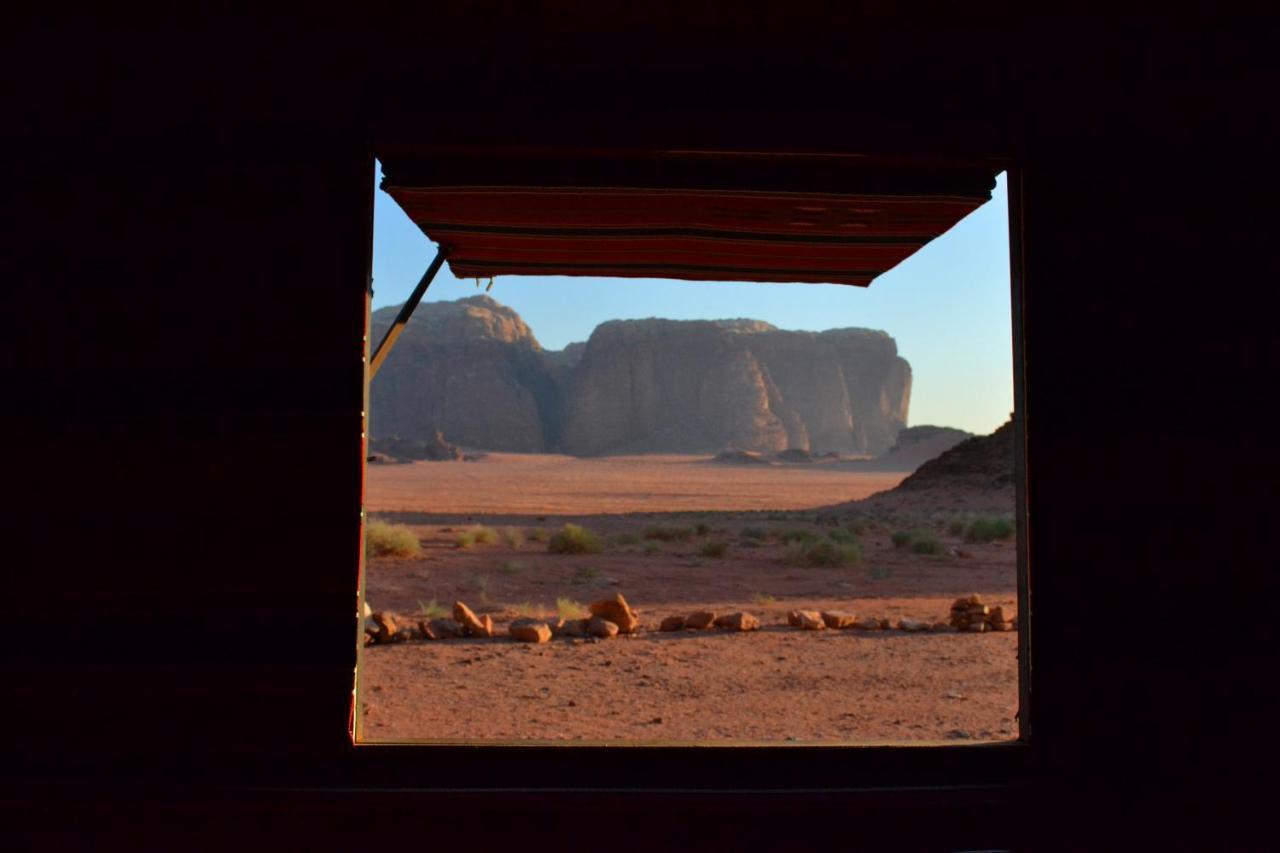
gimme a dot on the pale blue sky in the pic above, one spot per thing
(947, 306)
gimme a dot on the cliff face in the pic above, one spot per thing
(702, 386)
(473, 370)
(470, 369)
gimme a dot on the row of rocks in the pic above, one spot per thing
(818, 620)
(701, 620)
(609, 618)
(971, 614)
(613, 616)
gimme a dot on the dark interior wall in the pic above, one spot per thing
(188, 232)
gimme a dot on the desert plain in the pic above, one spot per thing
(680, 534)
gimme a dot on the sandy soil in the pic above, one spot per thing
(775, 685)
(540, 484)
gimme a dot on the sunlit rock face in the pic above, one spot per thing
(473, 370)
(702, 386)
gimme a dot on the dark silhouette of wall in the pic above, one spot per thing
(186, 462)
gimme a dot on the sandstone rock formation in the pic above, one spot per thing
(473, 371)
(470, 369)
(701, 386)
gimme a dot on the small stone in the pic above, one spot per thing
(602, 628)
(441, 629)
(672, 623)
(700, 619)
(999, 626)
(738, 622)
(996, 614)
(973, 600)
(977, 627)
(884, 624)
(617, 611)
(404, 635)
(809, 620)
(463, 615)
(978, 611)
(840, 619)
(530, 631)
(555, 623)
(913, 625)
(941, 628)
(387, 628)
(867, 623)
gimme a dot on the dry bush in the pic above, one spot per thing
(573, 539)
(390, 540)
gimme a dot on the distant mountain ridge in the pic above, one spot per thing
(473, 370)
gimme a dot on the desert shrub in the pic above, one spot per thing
(567, 608)
(753, 533)
(584, 575)
(879, 573)
(956, 527)
(478, 535)
(713, 549)
(858, 526)
(701, 528)
(986, 529)
(510, 567)
(796, 535)
(573, 539)
(901, 538)
(513, 536)
(669, 534)
(625, 539)
(432, 610)
(652, 548)
(825, 553)
(761, 599)
(842, 535)
(925, 542)
(537, 534)
(390, 540)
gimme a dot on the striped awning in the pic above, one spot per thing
(681, 216)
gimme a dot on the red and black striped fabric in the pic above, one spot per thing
(835, 220)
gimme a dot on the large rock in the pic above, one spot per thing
(602, 628)
(617, 611)
(474, 625)
(472, 370)
(699, 386)
(700, 619)
(738, 622)
(530, 630)
(385, 625)
(809, 620)
(840, 619)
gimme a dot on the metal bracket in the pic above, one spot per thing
(406, 311)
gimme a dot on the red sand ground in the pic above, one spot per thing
(775, 685)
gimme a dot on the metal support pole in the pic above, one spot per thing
(406, 311)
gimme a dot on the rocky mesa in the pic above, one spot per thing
(473, 370)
